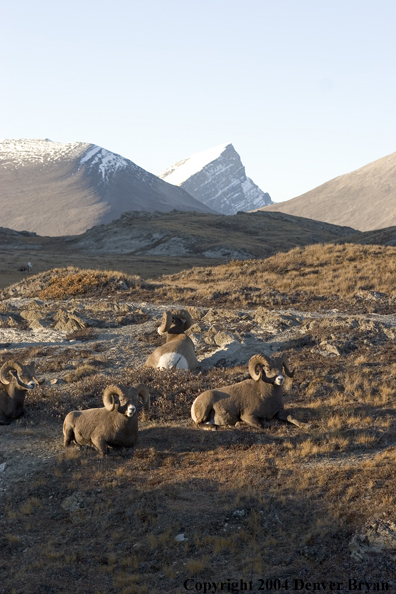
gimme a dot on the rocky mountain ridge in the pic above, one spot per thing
(217, 178)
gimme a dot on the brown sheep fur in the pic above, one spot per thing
(251, 401)
(114, 425)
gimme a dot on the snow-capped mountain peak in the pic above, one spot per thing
(217, 178)
(181, 171)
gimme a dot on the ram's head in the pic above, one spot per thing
(125, 406)
(176, 322)
(18, 375)
(270, 370)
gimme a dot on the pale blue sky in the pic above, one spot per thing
(305, 90)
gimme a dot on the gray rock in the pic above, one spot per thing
(376, 536)
(326, 349)
(223, 338)
(217, 178)
(74, 502)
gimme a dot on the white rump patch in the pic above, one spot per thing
(172, 361)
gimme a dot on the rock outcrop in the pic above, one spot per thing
(217, 178)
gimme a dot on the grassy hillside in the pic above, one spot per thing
(153, 244)
(321, 276)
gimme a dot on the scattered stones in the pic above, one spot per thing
(194, 329)
(223, 338)
(239, 513)
(377, 536)
(74, 502)
(68, 321)
(57, 381)
(273, 321)
(36, 319)
(371, 295)
(326, 349)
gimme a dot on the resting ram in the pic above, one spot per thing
(17, 380)
(178, 352)
(251, 401)
(114, 425)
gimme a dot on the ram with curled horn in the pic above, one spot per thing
(115, 424)
(17, 380)
(179, 351)
(252, 401)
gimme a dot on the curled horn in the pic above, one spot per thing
(255, 364)
(184, 315)
(7, 367)
(166, 322)
(286, 366)
(144, 394)
(108, 396)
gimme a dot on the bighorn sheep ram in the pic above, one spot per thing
(178, 352)
(252, 400)
(114, 425)
(17, 380)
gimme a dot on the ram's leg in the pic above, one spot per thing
(68, 433)
(251, 420)
(209, 424)
(224, 416)
(283, 415)
(100, 444)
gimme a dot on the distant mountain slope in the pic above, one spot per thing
(217, 178)
(198, 235)
(64, 189)
(364, 198)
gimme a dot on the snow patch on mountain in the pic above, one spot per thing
(217, 178)
(24, 152)
(181, 171)
(105, 161)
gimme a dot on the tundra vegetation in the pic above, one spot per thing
(276, 502)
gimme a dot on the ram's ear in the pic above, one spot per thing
(144, 394)
(286, 366)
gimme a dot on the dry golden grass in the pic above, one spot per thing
(320, 270)
(323, 275)
(73, 281)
